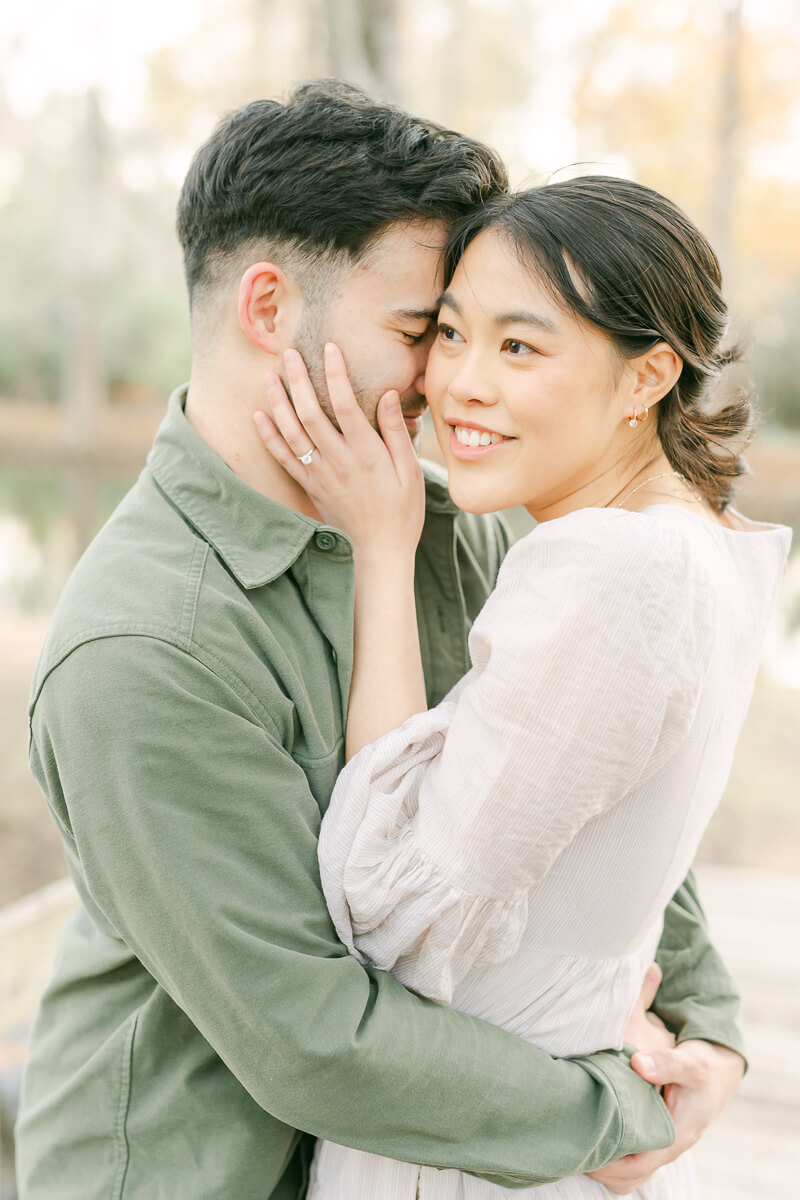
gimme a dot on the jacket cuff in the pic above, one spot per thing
(645, 1120)
(729, 1035)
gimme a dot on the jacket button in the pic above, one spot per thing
(325, 540)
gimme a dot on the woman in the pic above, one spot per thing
(511, 851)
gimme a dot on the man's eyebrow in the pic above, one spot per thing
(414, 314)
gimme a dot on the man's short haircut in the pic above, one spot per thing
(318, 178)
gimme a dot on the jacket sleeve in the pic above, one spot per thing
(197, 837)
(697, 997)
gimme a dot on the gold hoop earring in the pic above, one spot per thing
(636, 419)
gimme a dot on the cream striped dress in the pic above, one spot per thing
(511, 851)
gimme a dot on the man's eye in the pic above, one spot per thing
(413, 339)
(448, 334)
(513, 346)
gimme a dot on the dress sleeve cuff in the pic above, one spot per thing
(391, 903)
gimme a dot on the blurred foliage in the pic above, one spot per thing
(660, 91)
(777, 362)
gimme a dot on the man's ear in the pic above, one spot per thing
(270, 306)
(655, 374)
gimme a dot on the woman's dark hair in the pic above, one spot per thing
(324, 173)
(628, 261)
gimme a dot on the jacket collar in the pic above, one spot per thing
(257, 538)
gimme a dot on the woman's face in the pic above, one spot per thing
(511, 368)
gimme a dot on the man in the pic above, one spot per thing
(187, 725)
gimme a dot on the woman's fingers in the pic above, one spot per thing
(285, 418)
(321, 430)
(353, 423)
(280, 450)
(396, 436)
(303, 427)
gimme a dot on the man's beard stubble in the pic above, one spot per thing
(310, 343)
(312, 350)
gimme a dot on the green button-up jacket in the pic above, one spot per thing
(186, 727)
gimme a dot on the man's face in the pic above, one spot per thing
(381, 316)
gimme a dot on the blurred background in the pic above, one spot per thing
(101, 107)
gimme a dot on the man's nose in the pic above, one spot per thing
(423, 350)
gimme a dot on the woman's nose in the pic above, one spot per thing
(472, 384)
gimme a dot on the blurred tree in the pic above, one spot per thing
(776, 359)
(655, 87)
(699, 101)
(83, 382)
(728, 122)
(362, 44)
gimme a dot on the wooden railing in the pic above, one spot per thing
(28, 932)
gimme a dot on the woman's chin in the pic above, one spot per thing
(475, 500)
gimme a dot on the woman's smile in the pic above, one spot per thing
(469, 441)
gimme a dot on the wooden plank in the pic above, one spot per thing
(751, 1153)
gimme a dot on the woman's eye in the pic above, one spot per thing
(518, 348)
(448, 334)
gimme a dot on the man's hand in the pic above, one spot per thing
(646, 1031)
(698, 1079)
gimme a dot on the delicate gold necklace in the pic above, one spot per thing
(652, 479)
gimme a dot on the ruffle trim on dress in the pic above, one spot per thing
(391, 905)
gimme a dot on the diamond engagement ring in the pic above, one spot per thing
(307, 458)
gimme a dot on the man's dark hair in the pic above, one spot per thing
(323, 174)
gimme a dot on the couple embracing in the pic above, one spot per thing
(379, 824)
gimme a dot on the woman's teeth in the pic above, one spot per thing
(474, 437)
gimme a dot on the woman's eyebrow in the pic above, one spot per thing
(450, 301)
(518, 317)
(525, 317)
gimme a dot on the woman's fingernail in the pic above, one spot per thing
(646, 1064)
(331, 350)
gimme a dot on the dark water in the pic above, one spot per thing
(47, 519)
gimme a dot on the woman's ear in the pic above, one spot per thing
(655, 374)
(270, 306)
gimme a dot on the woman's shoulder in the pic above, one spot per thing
(609, 543)
(582, 570)
(621, 585)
